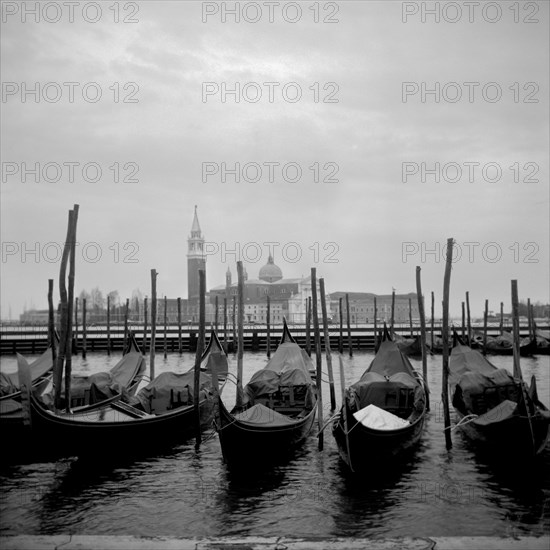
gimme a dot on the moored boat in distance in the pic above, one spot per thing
(383, 412)
(278, 412)
(496, 410)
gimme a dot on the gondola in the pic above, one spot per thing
(504, 345)
(41, 371)
(411, 347)
(123, 378)
(115, 427)
(383, 412)
(496, 410)
(278, 410)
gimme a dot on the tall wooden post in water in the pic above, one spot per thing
(445, 377)
(240, 343)
(198, 356)
(153, 323)
(225, 324)
(108, 325)
(485, 315)
(423, 335)
(268, 328)
(216, 313)
(327, 344)
(349, 326)
(463, 325)
(318, 358)
(375, 325)
(75, 347)
(60, 362)
(501, 325)
(51, 322)
(84, 328)
(308, 326)
(145, 314)
(529, 325)
(72, 268)
(180, 339)
(432, 325)
(392, 320)
(468, 318)
(165, 327)
(126, 315)
(233, 322)
(341, 327)
(410, 317)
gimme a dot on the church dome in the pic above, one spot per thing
(270, 272)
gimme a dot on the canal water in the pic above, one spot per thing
(190, 493)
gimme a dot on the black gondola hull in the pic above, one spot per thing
(247, 445)
(510, 437)
(81, 434)
(366, 447)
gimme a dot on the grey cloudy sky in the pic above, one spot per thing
(369, 213)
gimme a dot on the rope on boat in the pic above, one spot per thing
(331, 419)
(464, 420)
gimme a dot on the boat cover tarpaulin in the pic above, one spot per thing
(218, 361)
(102, 385)
(464, 359)
(261, 415)
(373, 388)
(289, 366)
(389, 361)
(9, 382)
(376, 418)
(502, 411)
(159, 394)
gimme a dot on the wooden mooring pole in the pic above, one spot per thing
(165, 344)
(75, 346)
(468, 319)
(153, 323)
(318, 358)
(268, 328)
(180, 339)
(327, 344)
(341, 327)
(145, 317)
(108, 325)
(240, 343)
(84, 328)
(308, 326)
(445, 366)
(198, 356)
(225, 324)
(126, 316)
(51, 322)
(485, 315)
(432, 324)
(463, 324)
(375, 325)
(423, 335)
(410, 317)
(348, 317)
(70, 300)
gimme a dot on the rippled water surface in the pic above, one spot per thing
(191, 493)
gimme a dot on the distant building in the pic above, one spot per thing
(288, 297)
(361, 305)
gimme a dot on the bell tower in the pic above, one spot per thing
(195, 259)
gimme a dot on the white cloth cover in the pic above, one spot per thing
(376, 418)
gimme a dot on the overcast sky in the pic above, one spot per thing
(362, 222)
